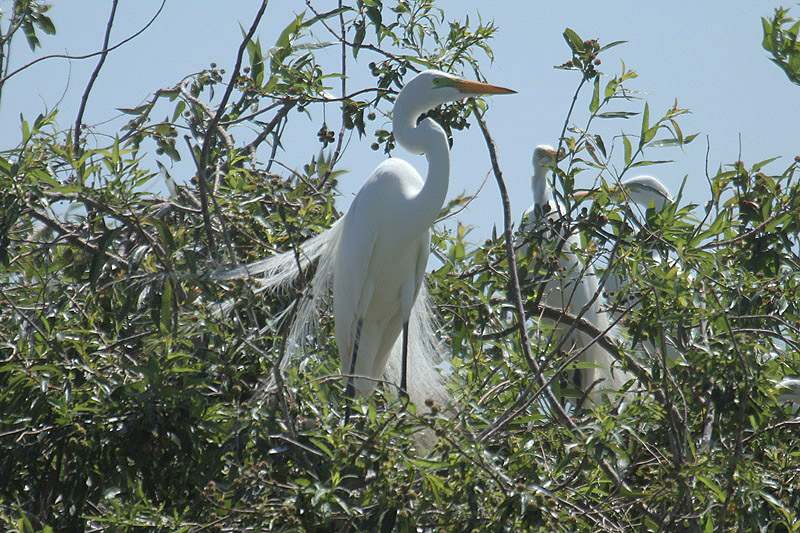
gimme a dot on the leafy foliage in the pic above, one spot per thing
(781, 40)
(132, 390)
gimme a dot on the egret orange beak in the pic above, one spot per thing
(580, 195)
(615, 190)
(561, 154)
(476, 87)
(584, 194)
(557, 156)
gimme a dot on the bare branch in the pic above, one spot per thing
(85, 98)
(86, 56)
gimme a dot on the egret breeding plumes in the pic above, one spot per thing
(375, 255)
(573, 287)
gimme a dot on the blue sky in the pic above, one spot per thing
(707, 55)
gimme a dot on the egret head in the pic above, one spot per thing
(640, 190)
(789, 392)
(431, 88)
(544, 157)
(643, 189)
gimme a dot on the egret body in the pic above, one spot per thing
(375, 255)
(574, 287)
(385, 240)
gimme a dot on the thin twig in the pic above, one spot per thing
(340, 138)
(212, 126)
(279, 115)
(86, 56)
(211, 136)
(466, 204)
(222, 131)
(516, 293)
(85, 98)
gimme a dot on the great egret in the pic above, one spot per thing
(376, 254)
(643, 191)
(789, 389)
(575, 286)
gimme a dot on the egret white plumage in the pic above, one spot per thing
(575, 287)
(789, 392)
(644, 191)
(376, 254)
(641, 190)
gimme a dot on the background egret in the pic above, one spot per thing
(789, 392)
(376, 254)
(644, 191)
(574, 287)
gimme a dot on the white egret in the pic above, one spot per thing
(575, 287)
(641, 190)
(376, 254)
(789, 392)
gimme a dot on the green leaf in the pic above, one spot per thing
(645, 125)
(628, 149)
(719, 494)
(163, 229)
(178, 110)
(611, 88)
(134, 110)
(601, 145)
(26, 130)
(256, 58)
(166, 306)
(375, 16)
(98, 260)
(358, 40)
(611, 45)
(285, 38)
(766, 27)
(573, 40)
(324, 16)
(46, 24)
(30, 35)
(648, 163)
(758, 166)
(617, 114)
(663, 143)
(594, 105)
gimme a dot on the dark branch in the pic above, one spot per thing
(85, 98)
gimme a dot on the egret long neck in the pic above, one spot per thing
(427, 138)
(542, 195)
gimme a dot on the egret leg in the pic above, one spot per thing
(350, 390)
(404, 371)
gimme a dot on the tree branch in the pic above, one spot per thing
(85, 98)
(86, 56)
(210, 137)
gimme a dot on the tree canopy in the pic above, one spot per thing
(133, 386)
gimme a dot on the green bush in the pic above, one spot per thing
(133, 388)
